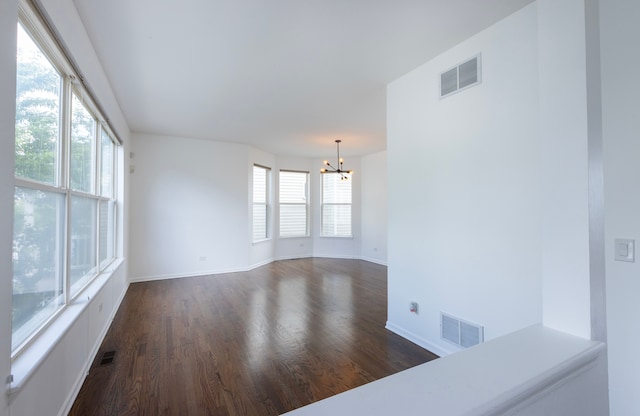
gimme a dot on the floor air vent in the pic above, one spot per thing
(107, 358)
(460, 332)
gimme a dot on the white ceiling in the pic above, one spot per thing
(286, 76)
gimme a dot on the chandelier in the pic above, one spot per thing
(339, 170)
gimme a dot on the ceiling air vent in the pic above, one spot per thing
(459, 332)
(460, 77)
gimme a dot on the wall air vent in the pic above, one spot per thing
(461, 77)
(460, 332)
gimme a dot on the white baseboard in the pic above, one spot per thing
(436, 349)
(246, 269)
(193, 274)
(376, 261)
(260, 264)
(294, 257)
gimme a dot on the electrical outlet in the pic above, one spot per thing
(413, 307)
(203, 258)
(100, 307)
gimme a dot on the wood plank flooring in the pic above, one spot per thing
(262, 342)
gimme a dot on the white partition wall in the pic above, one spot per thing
(374, 208)
(465, 191)
(621, 135)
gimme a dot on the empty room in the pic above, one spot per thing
(319, 208)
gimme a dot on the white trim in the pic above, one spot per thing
(333, 256)
(436, 349)
(260, 264)
(376, 261)
(196, 274)
(293, 236)
(150, 278)
(295, 257)
(264, 240)
(29, 360)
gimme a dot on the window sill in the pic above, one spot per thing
(25, 364)
(261, 241)
(346, 237)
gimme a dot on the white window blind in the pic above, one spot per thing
(260, 202)
(293, 199)
(336, 205)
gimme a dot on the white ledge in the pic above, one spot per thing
(28, 361)
(488, 379)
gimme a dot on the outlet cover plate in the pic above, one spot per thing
(625, 250)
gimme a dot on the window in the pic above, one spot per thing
(64, 206)
(294, 203)
(336, 205)
(83, 140)
(260, 202)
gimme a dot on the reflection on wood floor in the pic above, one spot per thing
(261, 342)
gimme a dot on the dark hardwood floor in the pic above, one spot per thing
(257, 343)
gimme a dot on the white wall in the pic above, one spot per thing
(374, 207)
(189, 207)
(621, 130)
(8, 19)
(464, 194)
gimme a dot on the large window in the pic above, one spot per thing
(260, 202)
(294, 203)
(336, 205)
(64, 209)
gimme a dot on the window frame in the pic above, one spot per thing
(30, 22)
(306, 204)
(324, 204)
(266, 204)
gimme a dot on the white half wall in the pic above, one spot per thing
(373, 216)
(464, 190)
(189, 207)
(8, 22)
(621, 136)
